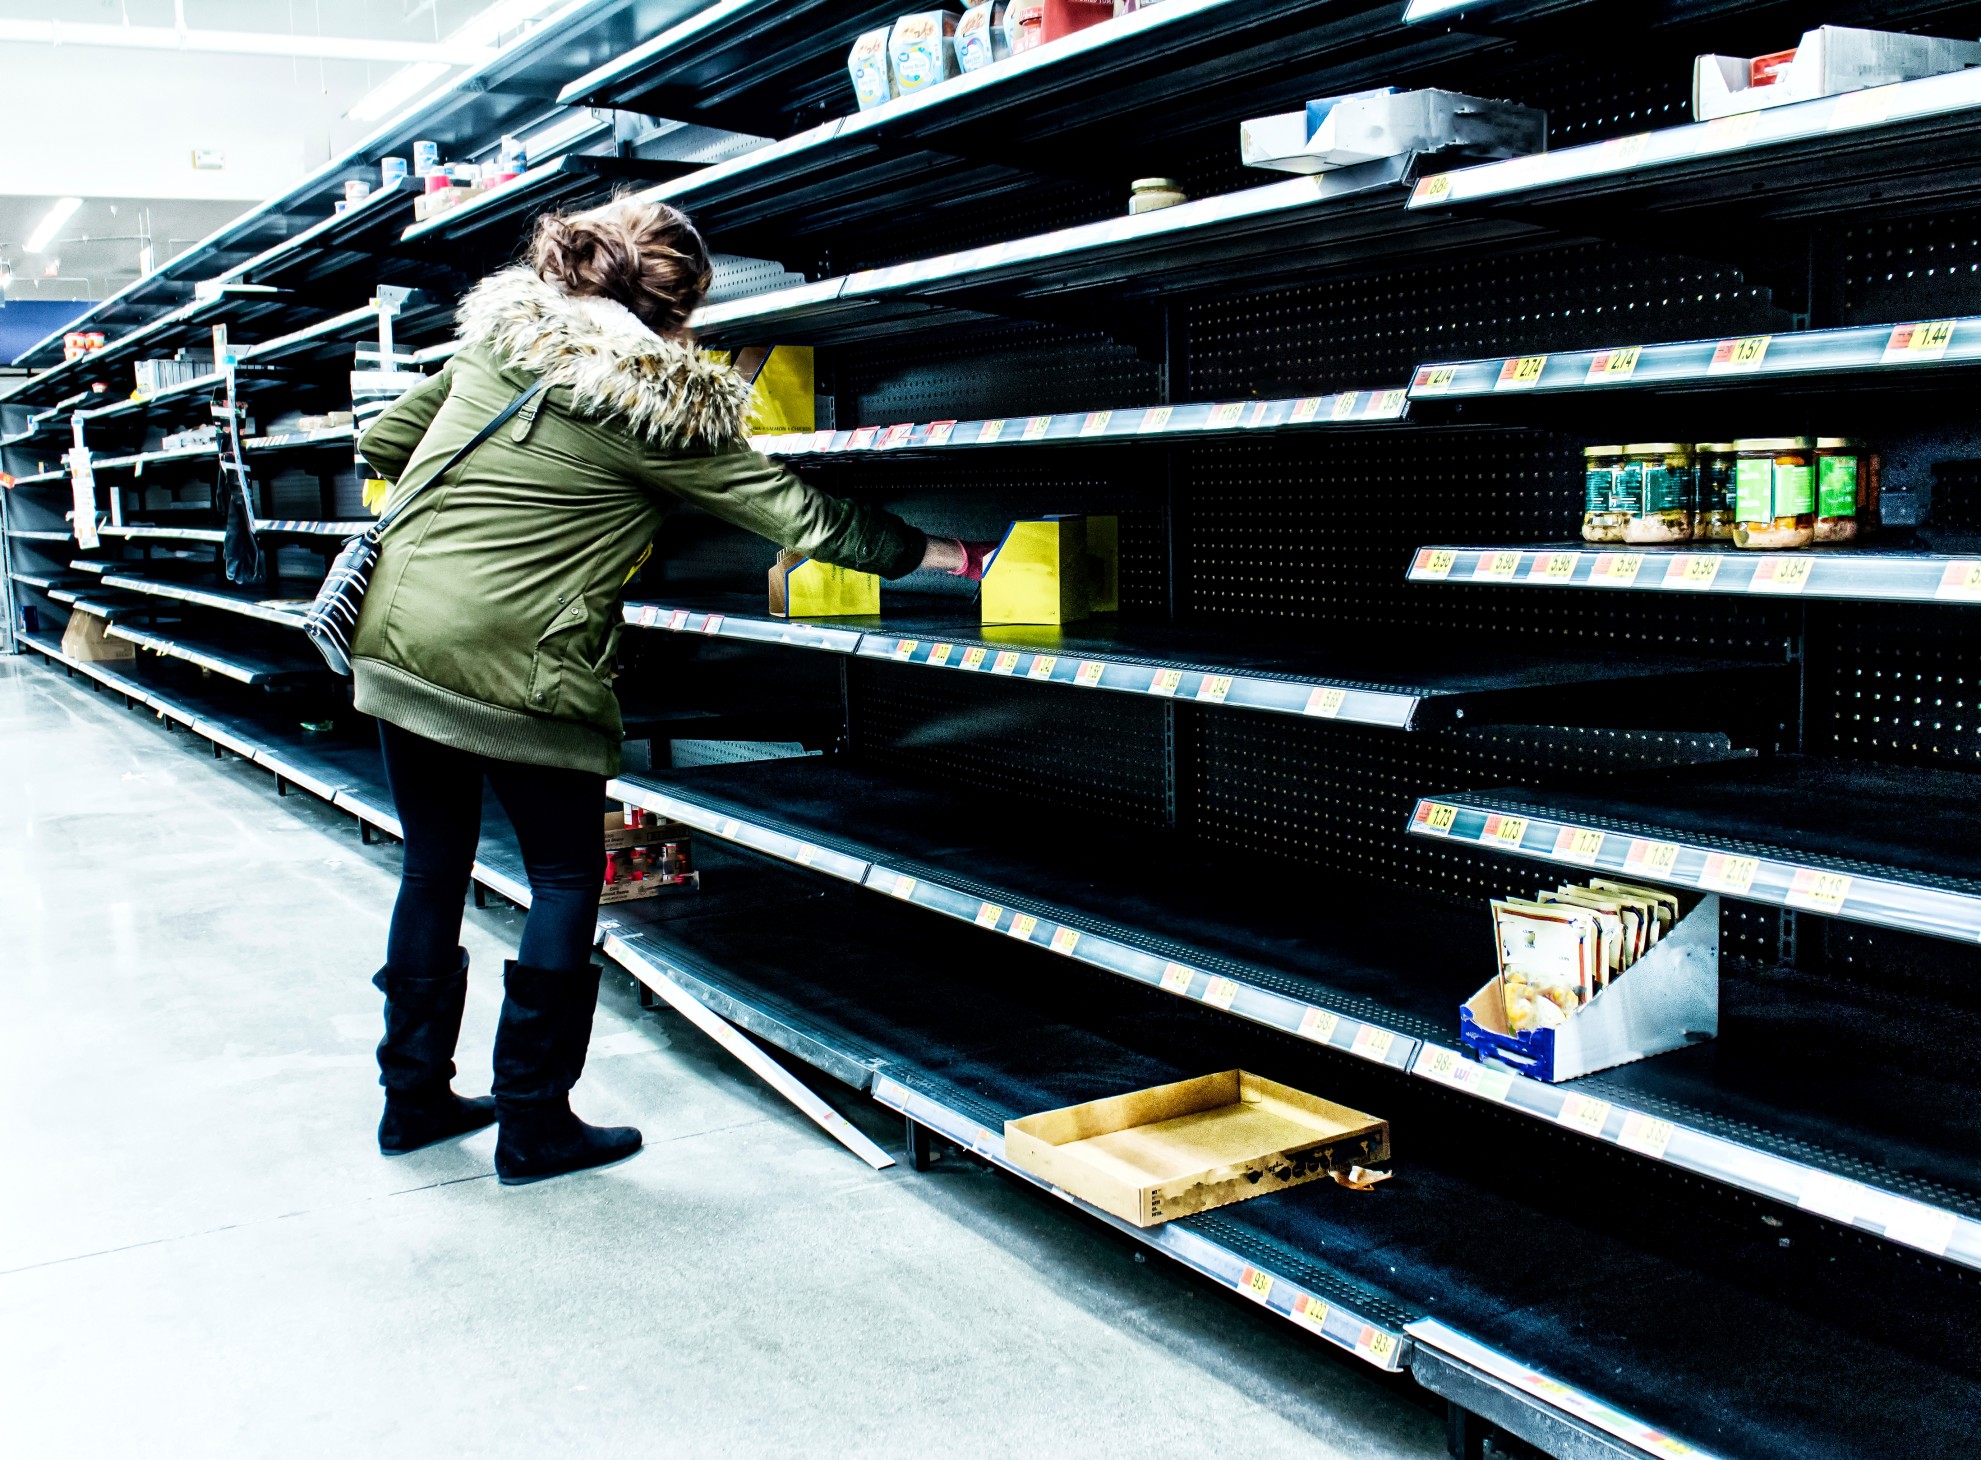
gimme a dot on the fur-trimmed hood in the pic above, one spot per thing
(666, 391)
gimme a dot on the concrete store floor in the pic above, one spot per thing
(202, 1252)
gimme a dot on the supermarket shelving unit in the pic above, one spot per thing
(1255, 821)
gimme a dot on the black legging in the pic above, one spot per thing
(438, 793)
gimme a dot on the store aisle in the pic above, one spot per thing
(201, 1251)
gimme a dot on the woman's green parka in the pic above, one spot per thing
(493, 616)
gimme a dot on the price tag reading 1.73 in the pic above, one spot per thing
(1505, 831)
(1435, 819)
(1578, 844)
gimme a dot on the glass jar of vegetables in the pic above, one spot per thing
(1846, 489)
(1662, 485)
(1601, 521)
(1712, 516)
(1774, 487)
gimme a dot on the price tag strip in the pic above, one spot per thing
(1656, 856)
(1532, 1384)
(1898, 577)
(1379, 1341)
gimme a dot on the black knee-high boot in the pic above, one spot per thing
(539, 1054)
(416, 1060)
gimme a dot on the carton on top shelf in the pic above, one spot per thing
(922, 50)
(873, 75)
(1365, 126)
(1829, 60)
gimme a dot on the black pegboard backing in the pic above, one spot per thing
(1357, 333)
(1911, 268)
(1587, 99)
(1097, 755)
(1316, 536)
(1906, 965)
(1013, 368)
(1896, 682)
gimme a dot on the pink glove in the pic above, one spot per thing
(975, 556)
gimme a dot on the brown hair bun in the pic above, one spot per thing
(647, 256)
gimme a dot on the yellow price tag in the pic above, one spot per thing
(1388, 404)
(1306, 408)
(1165, 682)
(1440, 1064)
(729, 829)
(1618, 570)
(1325, 703)
(1610, 367)
(1645, 1134)
(1822, 892)
(1373, 1043)
(1578, 844)
(1256, 1285)
(1175, 978)
(1584, 1113)
(806, 854)
(1214, 688)
(1310, 1311)
(1739, 357)
(1496, 567)
(1375, 1345)
(1065, 940)
(1728, 874)
(1228, 414)
(1692, 570)
(904, 887)
(1521, 373)
(1318, 1025)
(1506, 830)
(1344, 406)
(1042, 666)
(1434, 380)
(1436, 818)
(991, 431)
(1434, 563)
(1553, 567)
(1021, 926)
(939, 653)
(1036, 427)
(973, 657)
(1156, 418)
(1780, 575)
(1089, 673)
(1431, 190)
(1650, 859)
(1006, 661)
(1220, 992)
(905, 648)
(988, 914)
(1095, 423)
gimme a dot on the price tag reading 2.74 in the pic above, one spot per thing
(1521, 373)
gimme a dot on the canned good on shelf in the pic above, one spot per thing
(1846, 489)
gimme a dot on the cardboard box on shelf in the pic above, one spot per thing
(1363, 126)
(1153, 1155)
(872, 73)
(802, 587)
(651, 832)
(921, 50)
(783, 395)
(1829, 60)
(1667, 999)
(87, 640)
(1054, 570)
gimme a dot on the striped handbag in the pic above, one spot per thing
(332, 618)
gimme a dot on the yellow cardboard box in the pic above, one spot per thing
(783, 390)
(1054, 570)
(1152, 1155)
(802, 587)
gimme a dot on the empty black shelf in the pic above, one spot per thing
(1774, 1107)
(1645, 1310)
(1886, 844)
(1429, 687)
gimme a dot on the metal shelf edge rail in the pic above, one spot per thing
(267, 610)
(1745, 359)
(1157, 423)
(1846, 573)
(1932, 98)
(1374, 1343)
(1120, 672)
(1867, 1208)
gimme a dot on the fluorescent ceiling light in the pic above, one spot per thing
(50, 225)
(395, 90)
(460, 51)
(476, 36)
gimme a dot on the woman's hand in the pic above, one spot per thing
(957, 558)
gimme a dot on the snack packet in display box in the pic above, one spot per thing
(922, 50)
(980, 40)
(873, 78)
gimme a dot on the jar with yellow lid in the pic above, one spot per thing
(1601, 521)
(1774, 492)
(1712, 515)
(1846, 489)
(1662, 482)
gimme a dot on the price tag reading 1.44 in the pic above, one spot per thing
(1433, 189)
(1911, 344)
(1739, 357)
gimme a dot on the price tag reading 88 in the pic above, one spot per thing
(1433, 189)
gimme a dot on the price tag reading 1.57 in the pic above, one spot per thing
(1739, 357)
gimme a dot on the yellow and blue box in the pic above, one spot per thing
(1054, 570)
(802, 587)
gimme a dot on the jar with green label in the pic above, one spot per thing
(1712, 518)
(1774, 492)
(1841, 473)
(1663, 484)
(1601, 520)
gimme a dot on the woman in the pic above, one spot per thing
(485, 648)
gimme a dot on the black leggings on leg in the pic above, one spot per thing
(437, 791)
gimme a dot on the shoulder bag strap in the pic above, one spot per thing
(377, 529)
